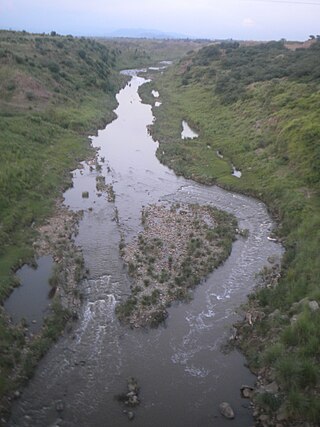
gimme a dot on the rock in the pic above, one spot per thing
(17, 394)
(134, 401)
(303, 301)
(282, 413)
(313, 305)
(130, 415)
(131, 394)
(294, 307)
(274, 314)
(248, 318)
(271, 259)
(59, 406)
(246, 391)
(264, 420)
(233, 334)
(133, 385)
(255, 413)
(272, 388)
(226, 410)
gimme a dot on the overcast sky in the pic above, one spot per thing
(237, 19)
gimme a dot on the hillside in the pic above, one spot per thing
(134, 52)
(258, 108)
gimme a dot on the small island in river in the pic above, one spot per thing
(179, 246)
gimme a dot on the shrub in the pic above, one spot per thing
(82, 54)
(54, 67)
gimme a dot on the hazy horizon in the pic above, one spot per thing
(236, 19)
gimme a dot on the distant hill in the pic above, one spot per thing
(145, 33)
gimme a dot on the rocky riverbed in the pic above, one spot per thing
(179, 246)
(56, 237)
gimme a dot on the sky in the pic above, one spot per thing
(215, 19)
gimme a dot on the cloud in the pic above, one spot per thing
(248, 23)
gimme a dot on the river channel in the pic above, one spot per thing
(180, 367)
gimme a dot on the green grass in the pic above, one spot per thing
(269, 129)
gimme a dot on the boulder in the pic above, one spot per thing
(246, 391)
(313, 305)
(276, 313)
(282, 414)
(226, 410)
(59, 406)
(130, 415)
(272, 388)
(133, 385)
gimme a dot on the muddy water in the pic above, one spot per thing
(180, 367)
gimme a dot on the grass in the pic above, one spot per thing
(54, 92)
(270, 131)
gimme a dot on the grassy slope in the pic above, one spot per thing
(54, 91)
(144, 52)
(259, 107)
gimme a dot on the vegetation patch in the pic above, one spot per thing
(180, 245)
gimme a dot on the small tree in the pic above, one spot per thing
(82, 54)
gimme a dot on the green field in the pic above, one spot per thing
(259, 106)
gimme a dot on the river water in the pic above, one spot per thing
(182, 372)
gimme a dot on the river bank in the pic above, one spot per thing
(48, 109)
(246, 134)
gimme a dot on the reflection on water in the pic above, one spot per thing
(30, 301)
(182, 373)
(187, 132)
(236, 172)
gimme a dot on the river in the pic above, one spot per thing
(182, 372)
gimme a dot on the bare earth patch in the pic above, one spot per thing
(180, 245)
